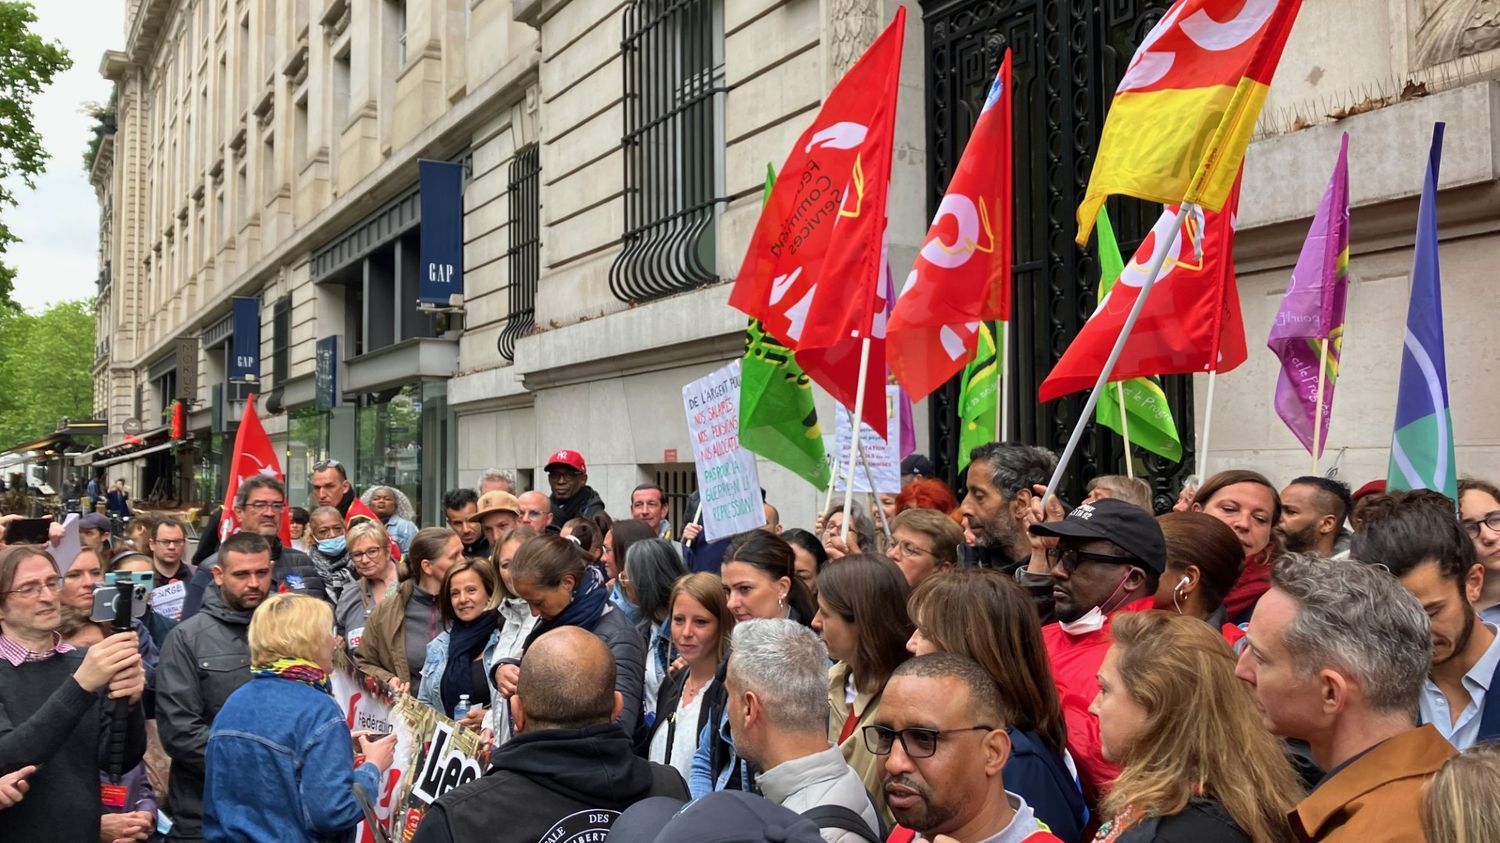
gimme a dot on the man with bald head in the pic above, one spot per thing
(570, 770)
(536, 512)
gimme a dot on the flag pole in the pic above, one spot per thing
(1317, 437)
(1208, 418)
(1153, 271)
(885, 525)
(854, 423)
(1002, 406)
(1125, 431)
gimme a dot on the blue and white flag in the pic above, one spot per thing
(1422, 445)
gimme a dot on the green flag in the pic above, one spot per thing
(978, 392)
(777, 417)
(1151, 423)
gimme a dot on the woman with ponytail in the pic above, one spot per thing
(554, 577)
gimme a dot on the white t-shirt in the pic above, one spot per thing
(683, 731)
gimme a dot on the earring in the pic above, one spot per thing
(781, 602)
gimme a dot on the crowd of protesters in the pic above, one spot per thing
(1258, 663)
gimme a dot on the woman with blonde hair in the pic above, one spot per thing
(1196, 762)
(278, 761)
(700, 622)
(1459, 803)
(516, 623)
(370, 556)
(982, 614)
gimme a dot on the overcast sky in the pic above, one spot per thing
(58, 223)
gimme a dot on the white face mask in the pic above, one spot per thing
(1091, 622)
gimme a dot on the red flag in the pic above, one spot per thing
(359, 512)
(962, 274)
(1191, 322)
(813, 267)
(836, 368)
(253, 454)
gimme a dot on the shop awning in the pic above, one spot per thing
(132, 455)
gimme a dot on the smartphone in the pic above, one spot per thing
(107, 595)
(28, 531)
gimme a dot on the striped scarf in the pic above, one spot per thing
(297, 670)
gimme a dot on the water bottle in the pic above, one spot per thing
(462, 708)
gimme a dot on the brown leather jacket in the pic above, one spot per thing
(381, 654)
(1375, 799)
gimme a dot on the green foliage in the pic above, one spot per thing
(45, 369)
(103, 115)
(27, 66)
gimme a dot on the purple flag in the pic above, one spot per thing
(1313, 311)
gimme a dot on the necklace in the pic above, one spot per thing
(689, 691)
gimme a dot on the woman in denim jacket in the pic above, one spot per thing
(454, 667)
(280, 762)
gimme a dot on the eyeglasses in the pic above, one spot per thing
(372, 553)
(1471, 526)
(170, 542)
(916, 743)
(33, 590)
(266, 506)
(907, 550)
(1069, 558)
(534, 513)
(326, 464)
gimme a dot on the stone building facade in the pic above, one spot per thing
(614, 153)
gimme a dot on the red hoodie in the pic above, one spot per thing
(1075, 661)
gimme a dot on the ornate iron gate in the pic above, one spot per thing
(1069, 56)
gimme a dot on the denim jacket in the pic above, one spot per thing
(431, 692)
(280, 766)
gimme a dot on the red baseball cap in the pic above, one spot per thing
(571, 459)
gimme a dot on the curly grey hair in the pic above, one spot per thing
(786, 665)
(403, 504)
(1357, 619)
(1015, 466)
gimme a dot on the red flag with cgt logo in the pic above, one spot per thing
(812, 272)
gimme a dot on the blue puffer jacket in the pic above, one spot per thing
(280, 767)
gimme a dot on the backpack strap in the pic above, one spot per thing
(843, 819)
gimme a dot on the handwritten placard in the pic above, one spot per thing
(728, 483)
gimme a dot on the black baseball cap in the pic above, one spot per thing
(1126, 525)
(728, 816)
(919, 465)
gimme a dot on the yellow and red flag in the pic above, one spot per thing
(1182, 116)
(962, 274)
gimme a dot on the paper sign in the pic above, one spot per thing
(728, 483)
(70, 545)
(167, 600)
(882, 455)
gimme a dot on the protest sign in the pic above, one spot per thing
(167, 600)
(882, 455)
(728, 483)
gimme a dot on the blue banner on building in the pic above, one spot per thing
(441, 259)
(326, 374)
(244, 345)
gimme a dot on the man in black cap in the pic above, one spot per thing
(916, 467)
(570, 770)
(1109, 557)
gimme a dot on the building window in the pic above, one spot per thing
(268, 170)
(395, 16)
(673, 52)
(281, 342)
(525, 254)
(300, 130)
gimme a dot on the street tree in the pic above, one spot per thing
(45, 362)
